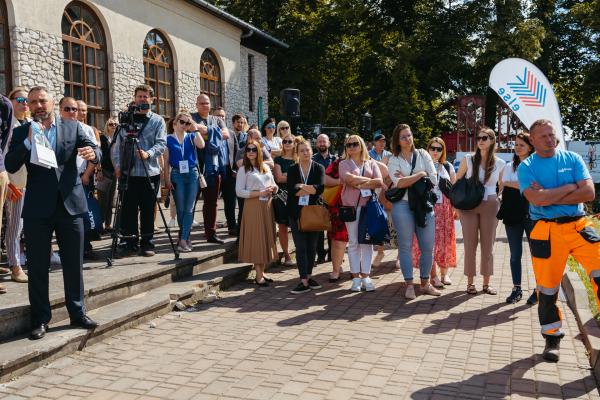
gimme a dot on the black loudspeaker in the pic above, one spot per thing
(290, 102)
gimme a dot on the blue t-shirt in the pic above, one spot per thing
(561, 169)
(378, 157)
(175, 153)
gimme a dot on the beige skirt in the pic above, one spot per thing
(257, 233)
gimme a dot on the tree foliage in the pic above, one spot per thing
(405, 61)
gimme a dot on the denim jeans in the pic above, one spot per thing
(359, 255)
(306, 248)
(404, 222)
(186, 188)
(514, 234)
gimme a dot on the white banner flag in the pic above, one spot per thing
(527, 92)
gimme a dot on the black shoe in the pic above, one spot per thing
(314, 284)
(215, 239)
(551, 351)
(126, 251)
(232, 232)
(268, 279)
(38, 332)
(515, 295)
(84, 322)
(300, 289)
(533, 299)
(90, 255)
(264, 283)
(320, 259)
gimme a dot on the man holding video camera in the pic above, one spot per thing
(140, 194)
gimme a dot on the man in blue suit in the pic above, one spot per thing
(54, 202)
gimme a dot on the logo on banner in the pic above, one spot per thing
(528, 90)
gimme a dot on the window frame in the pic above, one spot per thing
(5, 47)
(211, 82)
(155, 64)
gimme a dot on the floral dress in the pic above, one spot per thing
(338, 227)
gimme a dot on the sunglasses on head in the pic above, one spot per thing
(251, 150)
(436, 148)
(352, 144)
(21, 100)
(482, 138)
(186, 123)
(70, 109)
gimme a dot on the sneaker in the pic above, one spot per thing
(446, 281)
(288, 263)
(515, 295)
(300, 289)
(356, 284)
(172, 223)
(435, 281)
(551, 351)
(367, 283)
(183, 249)
(410, 292)
(195, 224)
(378, 258)
(55, 259)
(533, 299)
(314, 284)
(430, 290)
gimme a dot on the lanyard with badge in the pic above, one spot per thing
(303, 200)
(184, 166)
(363, 192)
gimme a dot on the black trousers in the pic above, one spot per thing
(306, 248)
(140, 196)
(38, 239)
(229, 198)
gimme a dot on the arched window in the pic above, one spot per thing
(158, 72)
(84, 51)
(5, 64)
(210, 78)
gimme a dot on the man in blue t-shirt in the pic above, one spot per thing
(557, 183)
(378, 152)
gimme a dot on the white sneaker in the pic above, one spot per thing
(378, 258)
(356, 284)
(55, 259)
(195, 224)
(435, 281)
(410, 292)
(430, 290)
(367, 283)
(446, 280)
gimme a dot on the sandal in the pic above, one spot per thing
(471, 289)
(487, 289)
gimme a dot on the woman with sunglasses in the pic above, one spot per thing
(514, 213)
(270, 140)
(256, 185)
(360, 176)
(181, 173)
(404, 175)
(305, 186)
(282, 165)
(105, 177)
(479, 224)
(444, 249)
(14, 207)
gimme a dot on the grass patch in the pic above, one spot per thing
(576, 267)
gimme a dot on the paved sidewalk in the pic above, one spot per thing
(330, 344)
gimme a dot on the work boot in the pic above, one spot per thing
(515, 295)
(551, 351)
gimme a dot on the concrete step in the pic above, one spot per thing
(20, 355)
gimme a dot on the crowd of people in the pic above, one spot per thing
(373, 197)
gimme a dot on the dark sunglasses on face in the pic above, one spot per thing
(435, 148)
(113, 124)
(21, 100)
(352, 144)
(270, 126)
(482, 138)
(284, 128)
(70, 109)
(287, 141)
(251, 150)
(186, 123)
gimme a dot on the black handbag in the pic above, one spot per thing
(396, 194)
(466, 194)
(445, 186)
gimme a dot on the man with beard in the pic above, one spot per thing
(323, 157)
(54, 202)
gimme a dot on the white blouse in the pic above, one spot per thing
(253, 181)
(423, 163)
(509, 175)
(490, 185)
(274, 144)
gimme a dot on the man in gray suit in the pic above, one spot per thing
(54, 202)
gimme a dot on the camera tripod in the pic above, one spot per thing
(131, 145)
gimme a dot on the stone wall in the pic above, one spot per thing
(126, 73)
(188, 88)
(37, 60)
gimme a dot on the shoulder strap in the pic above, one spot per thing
(447, 166)
(414, 162)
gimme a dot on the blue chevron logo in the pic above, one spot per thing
(529, 89)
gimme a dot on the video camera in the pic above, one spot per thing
(132, 121)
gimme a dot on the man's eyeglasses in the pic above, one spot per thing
(21, 100)
(352, 144)
(186, 123)
(437, 149)
(482, 138)
(251, 150)
(70, 109)
(287, 141)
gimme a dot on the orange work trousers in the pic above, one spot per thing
(551, 243)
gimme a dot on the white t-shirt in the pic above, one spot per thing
(274, 144)
(490, 185)
(509, 174)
